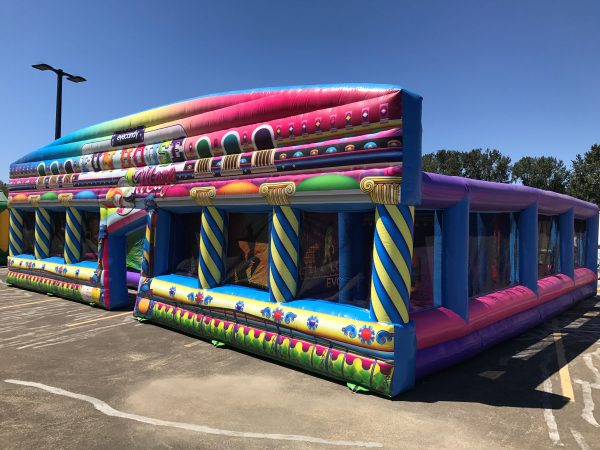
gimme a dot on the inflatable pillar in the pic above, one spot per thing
(528, 247)
(150, 206)
(566, 229)
(212, 247)
(73, 238)
(16, 245)
(455, 258)
(392, 250)
(392, 262)
(43, 233)
(284, 247)
(284, 254)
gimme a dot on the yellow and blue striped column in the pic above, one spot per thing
(284, 251)
(212, 247)
(392, 262)
(43, 233)
(74, 234)
(16, 244)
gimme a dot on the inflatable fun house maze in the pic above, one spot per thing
(296, 223)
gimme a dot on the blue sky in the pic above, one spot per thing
(519, 76)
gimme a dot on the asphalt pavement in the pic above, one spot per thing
(76, 376)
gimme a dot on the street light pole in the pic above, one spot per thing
(59, 76)
(57, 124)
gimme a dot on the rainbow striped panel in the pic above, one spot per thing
(212, 247)
(43, 233)
(74, 235)
(284, 254)
(16, 245)
(392, 261)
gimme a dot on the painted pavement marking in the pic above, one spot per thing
(580, 440)
(28, 303)
(84, 322)
(109, 411)
(563, 371)
(551, 424)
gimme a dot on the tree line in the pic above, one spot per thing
(582, 180)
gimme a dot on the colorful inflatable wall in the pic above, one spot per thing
(4, 215)
(296, 223)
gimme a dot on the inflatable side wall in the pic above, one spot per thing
(4, 222)
(296, 223)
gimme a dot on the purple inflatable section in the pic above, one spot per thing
(440, 356)
(133, 279)
(442, 191)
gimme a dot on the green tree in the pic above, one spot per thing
(544, 172)
(585, 178)
(4, 187)
(487, 165)
(447, 162)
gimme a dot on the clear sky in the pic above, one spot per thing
(519, 76)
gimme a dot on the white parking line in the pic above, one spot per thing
(553, 433)
(109, 411)
(580, 440)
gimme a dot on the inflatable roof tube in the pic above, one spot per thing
(334, 95)
(31, 171)
(216, 132)
(166, 116)
(484, 196)
(442, 191)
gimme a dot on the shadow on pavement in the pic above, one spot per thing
(511, 373)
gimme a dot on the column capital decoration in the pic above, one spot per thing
(382, 190)
(203, 195)
(278, 193)
(65, 199)
(34, 200)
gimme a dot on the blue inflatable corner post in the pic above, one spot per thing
(566, 229)
(455, 278)
(411, 165)
(528, 247)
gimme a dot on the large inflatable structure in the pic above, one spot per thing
(296, 223)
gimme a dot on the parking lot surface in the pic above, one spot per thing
(75, 376)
